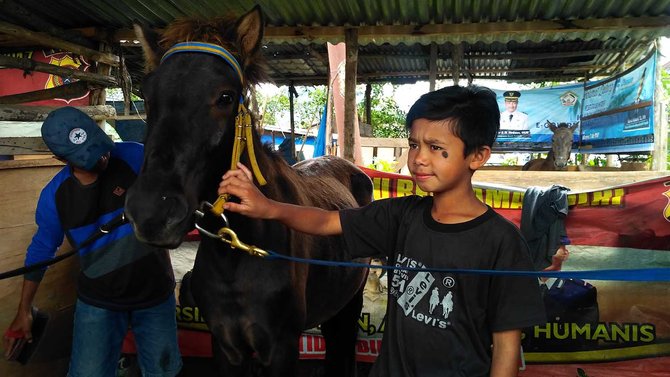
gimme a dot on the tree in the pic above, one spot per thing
(388, 120)
(665, 81)
(272, 106)
(308, 106)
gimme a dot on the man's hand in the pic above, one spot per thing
(19, 329)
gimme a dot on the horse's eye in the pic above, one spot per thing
(225, 99)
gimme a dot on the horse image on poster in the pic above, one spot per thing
(561, 145)
(200, 75)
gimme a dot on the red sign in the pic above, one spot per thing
(17, 81)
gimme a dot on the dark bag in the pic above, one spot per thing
(568, 302)
(572, 301)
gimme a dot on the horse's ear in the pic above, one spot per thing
(250, 31)
(574, 126)
(552, 126)
(149, 40)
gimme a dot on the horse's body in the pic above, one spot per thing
(559, 154)
(256, 309)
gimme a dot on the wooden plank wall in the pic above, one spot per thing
(22, 182)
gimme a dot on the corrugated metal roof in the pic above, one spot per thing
(524, 40)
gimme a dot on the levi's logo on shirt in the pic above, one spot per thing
(119, 191)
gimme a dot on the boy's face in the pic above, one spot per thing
(436, 159)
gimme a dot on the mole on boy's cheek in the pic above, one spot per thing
(445, 154)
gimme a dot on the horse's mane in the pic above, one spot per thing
(220, 31)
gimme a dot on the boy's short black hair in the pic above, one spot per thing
(473, 110)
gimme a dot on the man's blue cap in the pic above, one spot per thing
(71, 134)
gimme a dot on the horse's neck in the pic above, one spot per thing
(551, 158)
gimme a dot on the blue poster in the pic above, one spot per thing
(618, 113)
(525, 116)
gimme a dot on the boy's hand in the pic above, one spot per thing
(239, 183)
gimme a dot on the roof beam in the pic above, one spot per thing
(422, 75)
(492, 56)
(15, 9)
(456, 32)
(334, 34)
(44, 39)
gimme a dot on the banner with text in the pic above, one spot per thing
(618, 113)
(525, 126)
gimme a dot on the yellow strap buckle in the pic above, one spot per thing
(229, 236)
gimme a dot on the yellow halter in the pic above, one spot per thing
(243, 131)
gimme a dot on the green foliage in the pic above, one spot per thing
(388, 120)
(383, 165)
(510, 161)
(311, 105)
(593, 160)
(274, 106)
(636, 157)
(308, 106)
(665, 81)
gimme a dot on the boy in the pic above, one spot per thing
(122, 282)
(476, 328)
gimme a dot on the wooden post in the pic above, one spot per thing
(660, 153)
(99, 96)
(368, 103)
(23, 113)
(31, 65)
(351, 64)
(67, 91)
(432, 75)
(330, 121)
(126, 86)
(457, 59)
(292, 94)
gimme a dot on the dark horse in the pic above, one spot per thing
(256, 309)
(561, 145)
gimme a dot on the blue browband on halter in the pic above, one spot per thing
(207, 48)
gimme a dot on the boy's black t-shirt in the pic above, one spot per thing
(441, 324)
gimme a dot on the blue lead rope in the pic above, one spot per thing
(636, 274)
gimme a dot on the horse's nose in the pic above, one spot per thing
(158, 216)
(561, 163)
(174, 208)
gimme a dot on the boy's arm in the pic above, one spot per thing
(506, 346)
(254, 204)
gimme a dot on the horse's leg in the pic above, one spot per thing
(276, 349)
(341, 334)
(222, 353)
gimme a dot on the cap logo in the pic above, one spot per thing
(77, 136)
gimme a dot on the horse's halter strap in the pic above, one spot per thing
(243, 118)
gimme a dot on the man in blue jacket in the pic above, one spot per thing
(122, 283)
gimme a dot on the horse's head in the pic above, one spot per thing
(192, 91)
(561, 142)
